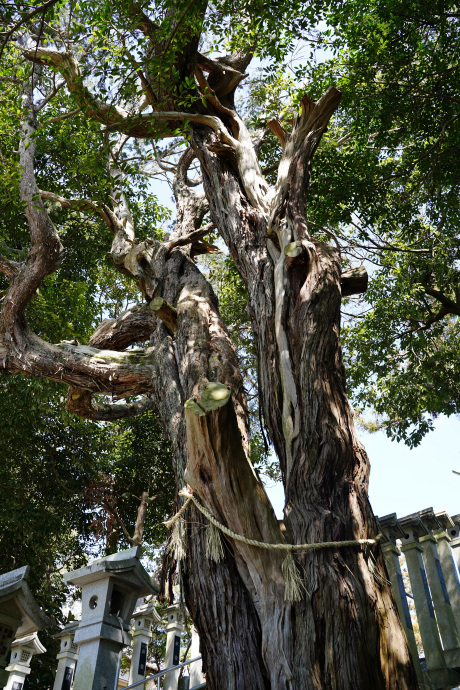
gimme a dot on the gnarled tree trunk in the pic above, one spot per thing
(345, 632)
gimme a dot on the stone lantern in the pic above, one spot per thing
(174, 630)
(22, 651)
(196, 669)
(67, 657)
(143, 618)
(19, 614)
(110, 588)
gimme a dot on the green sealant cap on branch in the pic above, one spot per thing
(214, 395)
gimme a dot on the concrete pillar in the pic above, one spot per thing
(22, 651)
(423, 605)
(143, 618)
(391, 556)
(450, 570)
(196, 669)
(67, 657)
(444, 615)
(110, 588)
(174, 630)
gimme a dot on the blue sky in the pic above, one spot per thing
(402, 480)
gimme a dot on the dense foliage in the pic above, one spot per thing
(398, 66)
(386, 188)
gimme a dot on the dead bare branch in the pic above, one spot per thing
(189, 239)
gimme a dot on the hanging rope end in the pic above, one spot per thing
(293, 584)
(214, 546)
(177, 544)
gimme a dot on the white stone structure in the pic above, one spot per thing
(110, 588)
(174, 630)
(67, 657)
(435, 585)
(144, 617)
(22, 651)
(19, 614)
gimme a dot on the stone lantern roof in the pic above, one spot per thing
(17, 603)
(29, 643)
(124, 565)
(147, 610)
(22, 651)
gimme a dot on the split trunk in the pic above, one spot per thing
(344, 632)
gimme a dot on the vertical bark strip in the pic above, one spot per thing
(347, 616)
(218, 470)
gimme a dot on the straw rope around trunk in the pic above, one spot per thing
(214, 549)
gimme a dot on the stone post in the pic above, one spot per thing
(391, 555)
(444, 615)
(110, 588)
(423, 605)
(454, 534)
(22, 651)
(19, 614)
(67, 657)
(196, 669)
(450, 570)
(174, 629)
(144, 617)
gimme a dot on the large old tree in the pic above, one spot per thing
(162, 80)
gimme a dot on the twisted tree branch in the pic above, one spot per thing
(81, 402)
(114, 117)
(9, 268)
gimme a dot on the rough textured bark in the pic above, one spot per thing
(223, 610)
(295, 308)
(345, 632)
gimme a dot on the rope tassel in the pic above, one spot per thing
(293, 584)
(214, 546)
(177, 543)
(375, 571)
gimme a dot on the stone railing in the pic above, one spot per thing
(426, 589)
(430, 544)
